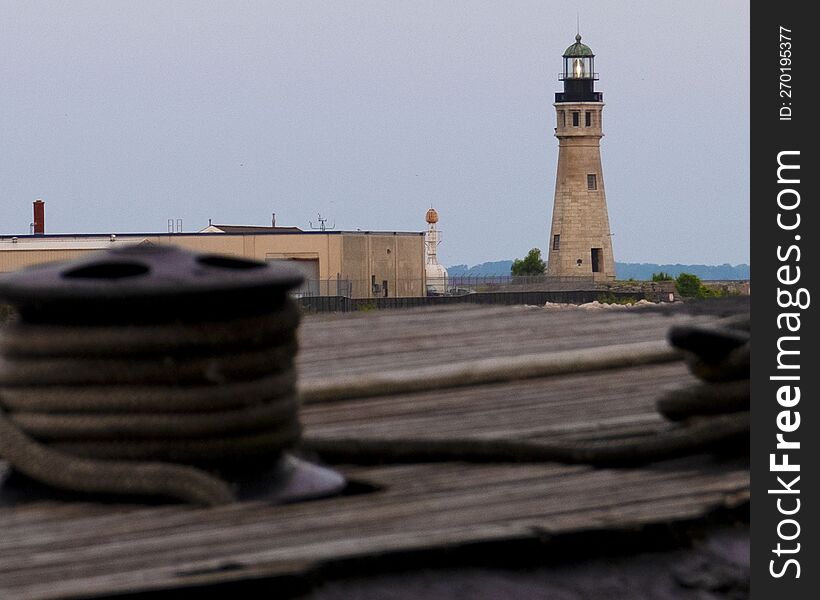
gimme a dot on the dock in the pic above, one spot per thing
(413, 515)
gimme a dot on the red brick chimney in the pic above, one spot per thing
(39, 217)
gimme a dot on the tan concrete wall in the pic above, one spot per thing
(261, 247)
(19, 259)
(383, 261)
(410, 266)
(579, 214)
(356, 264)
(397, 259)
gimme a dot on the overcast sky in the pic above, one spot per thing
(122, 115)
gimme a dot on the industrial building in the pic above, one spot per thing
(358, 264)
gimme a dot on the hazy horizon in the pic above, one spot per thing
(643, 262)
(124, 115)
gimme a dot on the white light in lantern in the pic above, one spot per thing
(578, 67)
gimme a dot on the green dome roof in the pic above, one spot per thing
(578, 49)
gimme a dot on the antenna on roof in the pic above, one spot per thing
(322, 222)
(578, 22)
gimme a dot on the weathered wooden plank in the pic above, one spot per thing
(579, 403)
(261, 544)
(450, 484)
(545, 496)
(189, 552)
(454, 483)
(341, 345)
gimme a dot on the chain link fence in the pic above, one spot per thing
(450, 286)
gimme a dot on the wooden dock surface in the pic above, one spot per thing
(51, 550)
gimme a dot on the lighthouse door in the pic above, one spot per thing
(596, 259)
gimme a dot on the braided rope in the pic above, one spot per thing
(153, 410)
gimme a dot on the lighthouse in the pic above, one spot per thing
(580, 243)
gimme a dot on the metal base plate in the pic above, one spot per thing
(291, 479)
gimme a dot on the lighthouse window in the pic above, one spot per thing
(592, 181)
(588, 119)
(576, 118)
(556, 242)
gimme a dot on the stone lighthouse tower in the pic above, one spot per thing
(580, 243)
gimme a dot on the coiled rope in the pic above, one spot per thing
(158, 409)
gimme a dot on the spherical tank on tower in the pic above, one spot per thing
(435, 273)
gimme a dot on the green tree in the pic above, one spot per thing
(662, 276)
(530, 264)
(690, 286)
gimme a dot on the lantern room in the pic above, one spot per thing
(578, 75)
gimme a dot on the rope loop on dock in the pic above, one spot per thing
(151, 409)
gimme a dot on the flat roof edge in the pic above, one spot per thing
(55, 236)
